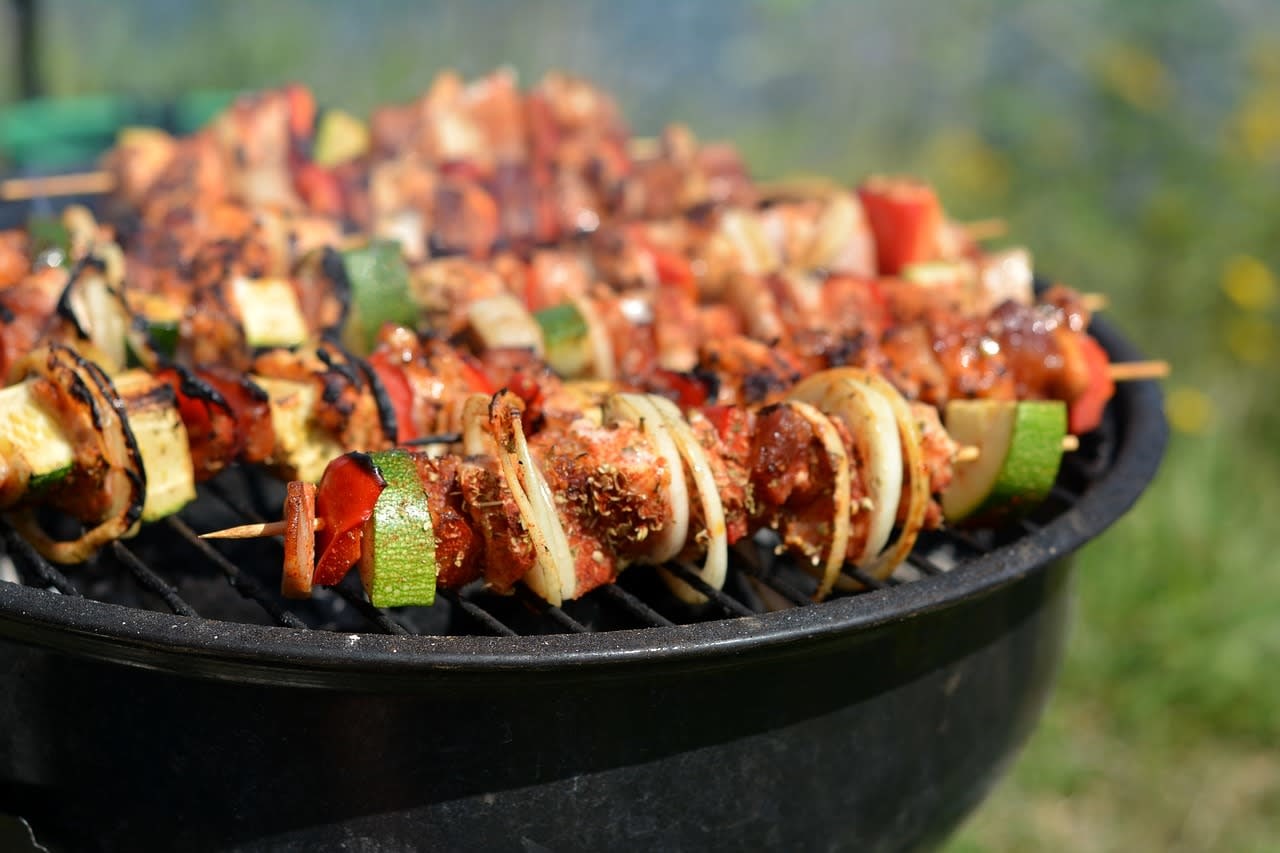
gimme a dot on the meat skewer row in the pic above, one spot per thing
(230, 294)
(566, 509)
(832, 469)
(935, 360)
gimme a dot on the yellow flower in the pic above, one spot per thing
(1256, 126)
(1135, 74)
(1189, 410)
(1249, 283)
(967, 163)
(1250, 338)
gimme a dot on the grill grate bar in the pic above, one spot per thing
(244, 584)
(635, 606)
(29, 563)
(865, 579)
(554, 613)
(726, 602)
(152, 581)
(354, 595)
(478, 613)
(924, 564)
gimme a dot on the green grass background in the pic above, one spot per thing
(1135, 146)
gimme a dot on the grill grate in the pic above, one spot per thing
(168, 568)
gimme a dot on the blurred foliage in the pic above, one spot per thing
(1135, 146)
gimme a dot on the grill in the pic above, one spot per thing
(165, 696)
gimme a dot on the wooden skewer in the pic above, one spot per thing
(984, 229)
(81, 183)
(255, 531)
(1094, 302)
(971, 453)
(1133, 371)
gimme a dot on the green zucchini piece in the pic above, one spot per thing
(29, 432)
(567, 339)
(398, 557)
(162, 443)
(1019, 451)
(269, 312)
(340, 138)
(380, 294)
(50, 241)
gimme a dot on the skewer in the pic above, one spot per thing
(254, 531)
(1070, 443)
(80, 183)
(970, 453)
(1095, 302)
(1133, 371)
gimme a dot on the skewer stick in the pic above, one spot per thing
(984, 229)
(255, 531)
(971, 453)
(1132, 371)
(48, 186)
(1094, 302)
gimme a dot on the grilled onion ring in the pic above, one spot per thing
(554, 574)
(94, 417)
(917, 476)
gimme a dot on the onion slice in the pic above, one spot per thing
(639, 409)
(870, 421)
(553, 577)
(716, 565)
(603, 363)
(100, 431)
(841, 528)
(917, 478)
(476, 438)
(880, 564)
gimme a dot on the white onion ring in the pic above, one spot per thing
(638, 409)
(913, 466)
(716, 565)
(554, 576)
(841, 528)
(104, 412)
(603, 363)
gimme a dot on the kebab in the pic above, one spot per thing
(640, 483)
(832, 470)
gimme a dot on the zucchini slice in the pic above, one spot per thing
(1019, 449)
(398, 557)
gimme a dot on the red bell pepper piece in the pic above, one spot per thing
(905, 218)
(319, 188)
(345, 499)
(684, 389)
(302, 110)
(1084, 413)
(398, 393)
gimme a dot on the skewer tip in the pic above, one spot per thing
(1133, 371)
(247, 531)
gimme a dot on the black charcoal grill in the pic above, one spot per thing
(165, 697)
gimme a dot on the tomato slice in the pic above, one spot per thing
(905, 218)
(345, 499)
(1084, 413)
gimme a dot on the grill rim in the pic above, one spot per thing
(275, 655)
